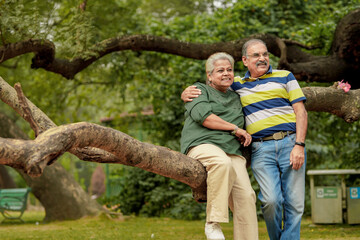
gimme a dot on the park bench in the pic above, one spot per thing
(13, 202)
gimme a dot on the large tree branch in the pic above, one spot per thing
(45, 49)
(334, 101)
(33, 155)
(320, 69)
(304, 65)
(341, 63)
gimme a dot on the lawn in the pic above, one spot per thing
(131, 228)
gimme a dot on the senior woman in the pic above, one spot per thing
(213, 133)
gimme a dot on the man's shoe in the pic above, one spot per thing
(213, 231)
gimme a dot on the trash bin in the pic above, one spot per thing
(326, 205)
(353, 205)
(333, 204)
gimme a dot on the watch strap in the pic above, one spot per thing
(300, 144)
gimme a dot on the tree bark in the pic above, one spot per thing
(33, 156)
(334, 101)
(61, 196)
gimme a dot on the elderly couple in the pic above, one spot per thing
(271, 104)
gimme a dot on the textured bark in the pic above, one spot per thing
(334, 101)
(342, 62)
(34, 155)
(61, 196)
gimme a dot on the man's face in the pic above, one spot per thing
(257, 60)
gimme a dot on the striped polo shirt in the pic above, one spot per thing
(267, 101)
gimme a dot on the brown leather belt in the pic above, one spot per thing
(275, 136)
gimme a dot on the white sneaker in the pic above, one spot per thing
(213, 231)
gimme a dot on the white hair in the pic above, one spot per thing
(209, 66)
(249, 43)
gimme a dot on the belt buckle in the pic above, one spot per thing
(278, 135)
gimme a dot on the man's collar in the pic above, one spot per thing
(247, 74)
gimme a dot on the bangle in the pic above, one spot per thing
(235, 130)
(300, 144)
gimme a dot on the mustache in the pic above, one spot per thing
(261, 62)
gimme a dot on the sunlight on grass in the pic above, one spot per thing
(146, 228)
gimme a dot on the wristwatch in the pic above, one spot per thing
(300, 144)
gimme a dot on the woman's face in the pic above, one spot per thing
(222, 76)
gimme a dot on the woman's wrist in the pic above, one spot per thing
(233, 132)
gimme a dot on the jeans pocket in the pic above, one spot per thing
(293, 138)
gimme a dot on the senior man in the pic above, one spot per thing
(273, 105)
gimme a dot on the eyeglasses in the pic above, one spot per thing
(258, 55)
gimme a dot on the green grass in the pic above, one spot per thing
(131, 228)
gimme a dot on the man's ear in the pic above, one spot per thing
(244, 59)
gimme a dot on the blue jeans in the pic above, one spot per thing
(282, 189)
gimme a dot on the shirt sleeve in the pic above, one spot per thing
(199, 109)
(294, 90)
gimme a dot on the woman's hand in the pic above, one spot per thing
(244, 137)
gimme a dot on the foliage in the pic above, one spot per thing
(131, 81)
(21, 19)
(147, 194)
(333, 142)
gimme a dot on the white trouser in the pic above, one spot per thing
(228, 185)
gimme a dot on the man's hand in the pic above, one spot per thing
(189, 93)
(297, 157)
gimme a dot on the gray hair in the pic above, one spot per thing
(209, 66)
(249, 43)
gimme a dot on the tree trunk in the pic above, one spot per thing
(6, 180)
(62, 197)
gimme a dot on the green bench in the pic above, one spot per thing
(13, 202)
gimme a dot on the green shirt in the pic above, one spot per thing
(226, 106)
